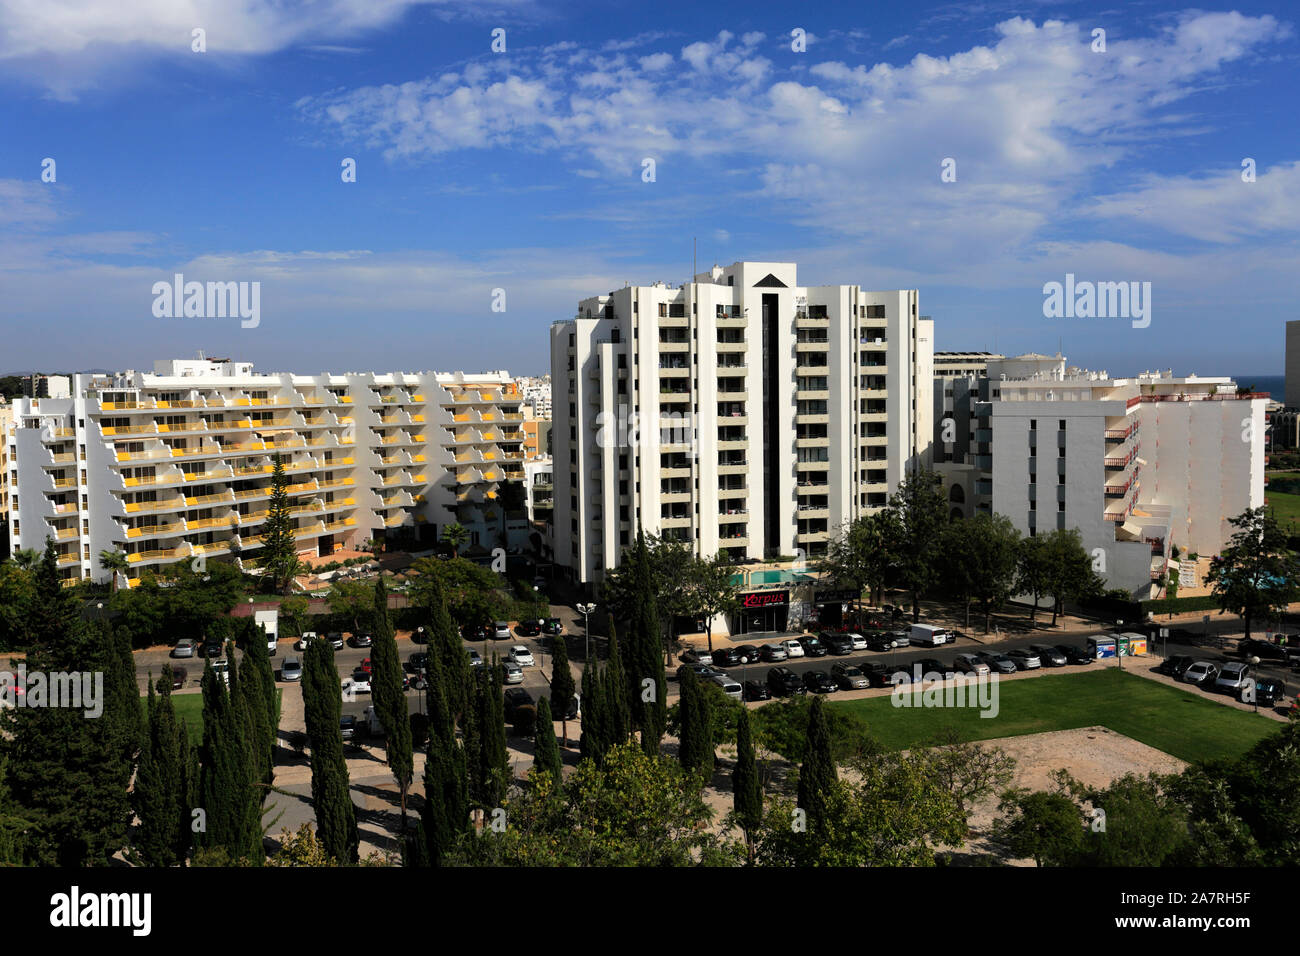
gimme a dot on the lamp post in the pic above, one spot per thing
(1254, 695)
(585, 610)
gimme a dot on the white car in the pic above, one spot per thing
(302, 642)
(352, 686)
(522, 656)
(792, 648)
(222, 667)
(514, 674)
(859, 642)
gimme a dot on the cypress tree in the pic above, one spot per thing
(546, 754)
(747, 794)
(251, 688)
(249, 719)
(694, 709)
(595, 724)
(617, 705)
(562, 685)
(646, 652)
(818, 774)
(390, 699)
(445, 643)
(446, 798)
(331, 797)
(225, 791)
(496, 765)
(190, 791)
(472, 724)
(159, 783)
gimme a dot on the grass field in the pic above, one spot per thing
(1186, 725)
(1286, 506)
(189, 707)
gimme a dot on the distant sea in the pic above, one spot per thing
(1273, 384)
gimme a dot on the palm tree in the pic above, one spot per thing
(113, 562)
(27, 558)
(456, 536)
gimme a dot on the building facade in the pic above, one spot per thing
(740, 412)
(176, 464)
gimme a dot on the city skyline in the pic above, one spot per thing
(976, 155)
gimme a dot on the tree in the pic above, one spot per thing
(446, 794)
(618, 709)
(747, 793)
(226, 793)
(331, 796)
(696, 751)
(1143, 823)
(1265, 787)
(389, 697)
(159, 782)
(17, 594)
(671, 562)
(546, 754)
(1047, 827)
(1255, 574)
(294, 613)
(595, 724)
(355, 599)
(711, 592)
(562, 685)
(1031, 570)
(115, 563)
(472, 592)
(1068, 570)
(454, 536)
(921, 512)
(981, 553)
(279, 557)
(645, 654)
(495, 756)
(967, 770)
(818, 774)
(860, 555)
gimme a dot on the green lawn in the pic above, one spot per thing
(1187, 725)
(189, 707)
(1285, 505)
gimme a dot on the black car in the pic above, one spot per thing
(899, 674)
(417, 662)
(212, 648)
(702, 671)
(516, 697)
(1174, 666)
(570, 713)
(783, 682)
(840, 645)
(1049, 656)
(1253, 647)
(812, 647)
(755, 690)
(553, 626)
(849, 677)
(879, 642)
(877, 673)
(529, 628)
(1074, 654)
(726, 657)
(1268, 691)
(819, 682)
(931, 668)
(749, 654)
(348, 726)
(360, 640)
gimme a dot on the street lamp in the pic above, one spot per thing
(585, 610)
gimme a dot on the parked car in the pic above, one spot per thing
(819, 682)
(1048, 656)
(529, 628)
(474, 659)
(812, 647)
(729, 687)
(749, 654)
(417, 662)
(360, 640)
(358, 683)
(336, 639)
(701, 671)
(840, 645)
(572, 712)
(899, 674)
(726, 657)
(1233, 678)
(1268, 692)
(1024, 659)
(695, 655)
(849, 677)
(291, 669)
(1265, 651)
(792, 648)
(858, 641)
(516, 697)
(930, 668)
(222, 669)
(783, 682)
(773, 652)
(998, 662)
(513, 673)
(880, 642)
(179, 674)
(184, 648)
(970, 664)
(348, 726)
(553, 626)
(1175, 666)
(1075, 654)
(522, 656)
(1201, 673)
(305, 638)
(212, 648)
(501, 630)
(756, 690)
(366, 665)
(877, 674)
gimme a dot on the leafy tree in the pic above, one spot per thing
(473, 593)
(671, 564)
(980, 561)
(294, 613)
(860, 555)
(1144, 824)
(389, 697)
(747, 793)
(562, 685)
(546, 754)
(353, 599)
(969, 771)
(330, 786)
(279, 557)
(595, 739)
(818, 774)
(17, 594)
(618, 709)
(1068, 570)
(1048, 827)
(921, 512)
(782, 727)
(1031, 570)
(1255, 574)
(711, 592)
(1265, 787)
(1217, 835)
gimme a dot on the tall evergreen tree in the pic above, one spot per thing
(562, 684)
(191, 792)
(225, 784)
(817, 776)
(617, 704)
(446, 795)
(254, 674)
(331, 797)
(495, 757)
(390, 699)
(745, 788)
(546, 754)
(595, 721)
(279, 553)
(159, 782)
(472, 725)
(445, 643)
(695, 714)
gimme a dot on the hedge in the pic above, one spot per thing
(1204, 602)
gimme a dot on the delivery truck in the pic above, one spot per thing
(929, 635)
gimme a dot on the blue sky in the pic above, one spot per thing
(522, 170)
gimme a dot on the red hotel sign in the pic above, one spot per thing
(765, 599)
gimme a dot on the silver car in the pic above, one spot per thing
(1025, 660)
(1232, 678)
(970, 664)
(184, 648)
(514, 674)
(729, 686)
(291, 669)
(859, 642)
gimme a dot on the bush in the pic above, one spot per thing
(1205, 602)
(525, 721)
(419, 730)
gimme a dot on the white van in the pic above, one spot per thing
(928, 635)
(729, 686)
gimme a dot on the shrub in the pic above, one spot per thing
(525, 721)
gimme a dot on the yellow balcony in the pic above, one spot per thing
(195, 500)
(209, 523)
(168, 505)
(417, 398)
(155, 530)
(345, 399)
(63, 534)
(418, 418)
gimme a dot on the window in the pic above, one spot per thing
(1060, 452)
(1060, 479)
(1062, 423)
(1060, 506)
(1033, 424)
(1033, 505)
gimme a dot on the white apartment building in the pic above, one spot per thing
(1139, 465)
(535, 396)
(176, 464)
(6, 419)
(740, 412)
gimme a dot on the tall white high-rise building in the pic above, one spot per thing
(176, 464)
(741, 412)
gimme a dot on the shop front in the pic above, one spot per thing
(761, 612)
(833, 609)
